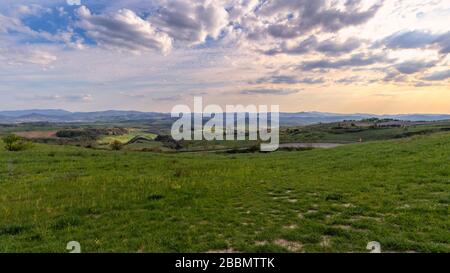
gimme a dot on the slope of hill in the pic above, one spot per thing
(337, 200)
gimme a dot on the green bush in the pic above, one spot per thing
(116, 145)
(15, 143)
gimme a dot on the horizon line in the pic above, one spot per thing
(287, 112)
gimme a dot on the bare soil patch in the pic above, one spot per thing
(37, 134)
(289, 245)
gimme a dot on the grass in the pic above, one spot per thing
(126, 137)
(336, 200)
(329, 133)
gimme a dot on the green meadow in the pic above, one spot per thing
(126, 137)
(396, 192)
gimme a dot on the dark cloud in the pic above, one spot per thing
(303, 47)
(314, 15)
(267, 91)
(312, 80)
(394, 76)
(411, 39)
(444, 42)
(356, 60)
(417, 39)
(280, 79)
(349, 80)
(283, 79)
(328, 47)
(334, 48)
(412, 67)
(438, 76)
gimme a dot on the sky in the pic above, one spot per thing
(343, 56)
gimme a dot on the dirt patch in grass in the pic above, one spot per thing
(260, 243)
(361, 217)
(344, 227)
(326, 242)
(289, 245)
(228, 250)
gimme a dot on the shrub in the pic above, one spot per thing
(15, 143)
(90, 133)
(116, 145)
(334, 197)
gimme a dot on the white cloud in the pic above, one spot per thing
(74, 2)
(191, 21)
(57, 97)
(123, 30)
(24, 56)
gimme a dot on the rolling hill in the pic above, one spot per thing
(336, 200)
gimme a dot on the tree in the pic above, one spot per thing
(116, 145)
(14, 143)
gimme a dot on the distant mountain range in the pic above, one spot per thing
(286, 119)
(51, 115)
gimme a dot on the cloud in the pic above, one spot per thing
(356, 60)
(349, 80)
(73, 2)
(175, 97)
(77, 98)
(302, 47)
(134, 95)
(334, 48)
(268, 91)
(438, 76)
(327, 47)
(422, 84)
(444, 42)
(408, 40)
(123, 30)
(284, 79)
(162, 24)
(57, 97)
(311, 80)
(411, 67)
(215, 46)
(277, 79)
(13, 27)
(25, 55)
(191, 21)
(156, 97)
(301, 17)
(417, 39)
